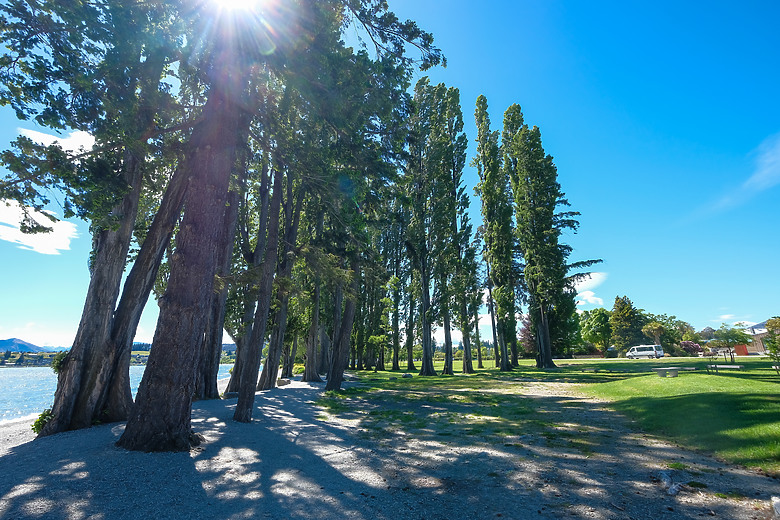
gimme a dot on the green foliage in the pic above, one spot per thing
(538, 197)
(626, 322)
(772, 339)
(41, 421)
(728, 337)
(57, 360)
(653, 330)
(500, 242)
(596, 328)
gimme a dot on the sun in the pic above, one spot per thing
(238, 5)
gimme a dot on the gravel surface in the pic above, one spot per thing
(295, 461)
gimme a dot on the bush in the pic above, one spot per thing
(57, 360)
(41, 421)
(691, 348)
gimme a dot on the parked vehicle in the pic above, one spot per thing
(645, 351)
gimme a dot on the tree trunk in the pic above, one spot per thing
(545, 348)
(252, 258)
(88, 370)
(341, 345)
(289, 372)
(271, 367)
(310, 369)
(252, 351)
(447, 342)
(338, 298)
(310, 363)
(492, 306)
(326, 351)
(427, 359)
(477, 338)
(468, 367)
(206, 384)
(135, 293)
(410, 337)
(161, 417)
(397, 332)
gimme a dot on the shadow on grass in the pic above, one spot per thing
(741, 427)
(430, 448)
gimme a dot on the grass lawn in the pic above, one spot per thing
(734, 415)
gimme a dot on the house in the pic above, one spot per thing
(758, 332)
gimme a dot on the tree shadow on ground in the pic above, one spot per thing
(416, 452)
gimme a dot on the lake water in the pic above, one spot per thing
(25, 392)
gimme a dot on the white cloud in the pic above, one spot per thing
(766, 175)
(726, 317)
(42, 335)
(589, 297)
(74, 142)
(767, 171)
(584, 288)
(45, 243)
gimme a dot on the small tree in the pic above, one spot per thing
(654, 330)
(729, 337)
(772, 341)
(596, 328)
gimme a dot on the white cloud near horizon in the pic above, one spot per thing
(40, 335)
(50, 243)
(73, 142)
(584, 288)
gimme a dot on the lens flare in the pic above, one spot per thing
(238, 5)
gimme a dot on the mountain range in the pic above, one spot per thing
(18, 345)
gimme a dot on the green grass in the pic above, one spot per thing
(734, 415)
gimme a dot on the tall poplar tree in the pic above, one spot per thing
(493, 189)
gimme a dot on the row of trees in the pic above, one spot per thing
(625, 326)
(260, 177)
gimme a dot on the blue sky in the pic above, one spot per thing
(664, 121)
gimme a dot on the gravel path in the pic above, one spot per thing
(294, 461)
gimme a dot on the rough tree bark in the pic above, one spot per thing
(468, 367)
(447, 341)
(206, 376)
(253, 257)
(310, 369)
(135, 293)
(475, 311)
(410, 337)
(426, 368)
(161, 417)
(271, 366)
(86, 372)
(544, 359)
(252, 351)
(326, 352)
(341, 345)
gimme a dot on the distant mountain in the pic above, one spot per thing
(19, 345)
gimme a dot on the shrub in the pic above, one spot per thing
(41, 421)
(691, 348)
(57, 360)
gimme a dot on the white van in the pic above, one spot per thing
(645, 351)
